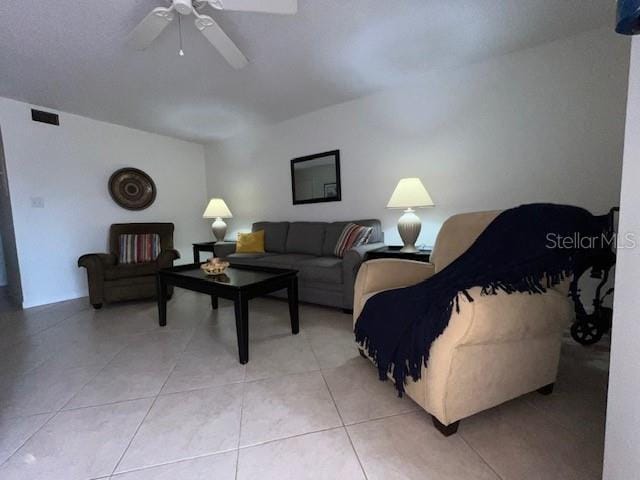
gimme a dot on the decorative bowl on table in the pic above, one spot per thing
(214, 266)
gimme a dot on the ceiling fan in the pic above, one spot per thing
(156, 21)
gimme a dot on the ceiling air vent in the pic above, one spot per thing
(44, 117)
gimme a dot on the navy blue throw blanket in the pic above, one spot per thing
(525, 249)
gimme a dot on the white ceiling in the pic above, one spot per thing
(70, 55)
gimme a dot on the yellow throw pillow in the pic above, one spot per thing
(250, 242)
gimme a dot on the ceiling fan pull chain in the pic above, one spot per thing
(180, 52)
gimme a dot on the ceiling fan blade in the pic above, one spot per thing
(283, 7)
(216, 36)
(150, 27)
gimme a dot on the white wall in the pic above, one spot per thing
(622, 441)
(545, 124)
(69, 166)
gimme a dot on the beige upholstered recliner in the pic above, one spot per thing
(496, 348)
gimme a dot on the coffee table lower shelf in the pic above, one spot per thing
(239, 284)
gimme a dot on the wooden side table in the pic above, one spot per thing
(201, 247)
(223, 249)
(394, 252)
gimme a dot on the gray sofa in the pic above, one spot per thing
(308, 247)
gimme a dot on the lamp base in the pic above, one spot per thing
(219, 229)
(409, 226)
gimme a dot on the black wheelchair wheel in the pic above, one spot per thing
(587, 332)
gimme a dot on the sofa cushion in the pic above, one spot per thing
(306, 237)
(334, 229)
(331, 235)
(247, 258)
(275, 235)
(129, 270)
(250, 242)
(287, 260)
(321, 269)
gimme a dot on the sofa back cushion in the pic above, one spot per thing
(275, 235)
(334, 230)
(306, 237)
(139, 248)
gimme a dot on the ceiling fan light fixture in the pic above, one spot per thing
(159, 18)
(184, 7)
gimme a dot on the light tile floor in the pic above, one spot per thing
(90, 394)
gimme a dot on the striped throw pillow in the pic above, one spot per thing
(352, 236)
(139, 247)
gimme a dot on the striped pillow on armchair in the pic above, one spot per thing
(139, 248)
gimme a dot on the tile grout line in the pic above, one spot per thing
(480, 456)
(55, 413)
(124, 452)
(544, 415)
(106, 404)
(126, 344)
(222, 452)
(344, 427)
(91, 380)
(244, 390)
(63, 319)
(52, 414)
(171, 462)
(297, 435)
(30, 336)
(113, 473)
(335, 405)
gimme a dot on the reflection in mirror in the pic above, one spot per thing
(316, 178)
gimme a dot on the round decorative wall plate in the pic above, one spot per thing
(132, 188)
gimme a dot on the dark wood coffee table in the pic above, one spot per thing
(238, 283)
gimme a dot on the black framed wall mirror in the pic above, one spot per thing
(316, 178)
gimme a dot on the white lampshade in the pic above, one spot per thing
(410, 193)
(217, 209)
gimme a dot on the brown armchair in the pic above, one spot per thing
(110, 281)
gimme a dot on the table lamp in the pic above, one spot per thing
(218, 209)
(409, 194)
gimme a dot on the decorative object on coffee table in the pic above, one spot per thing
(410, 193)
(218, 209)
(214, 266)
(132, 189)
